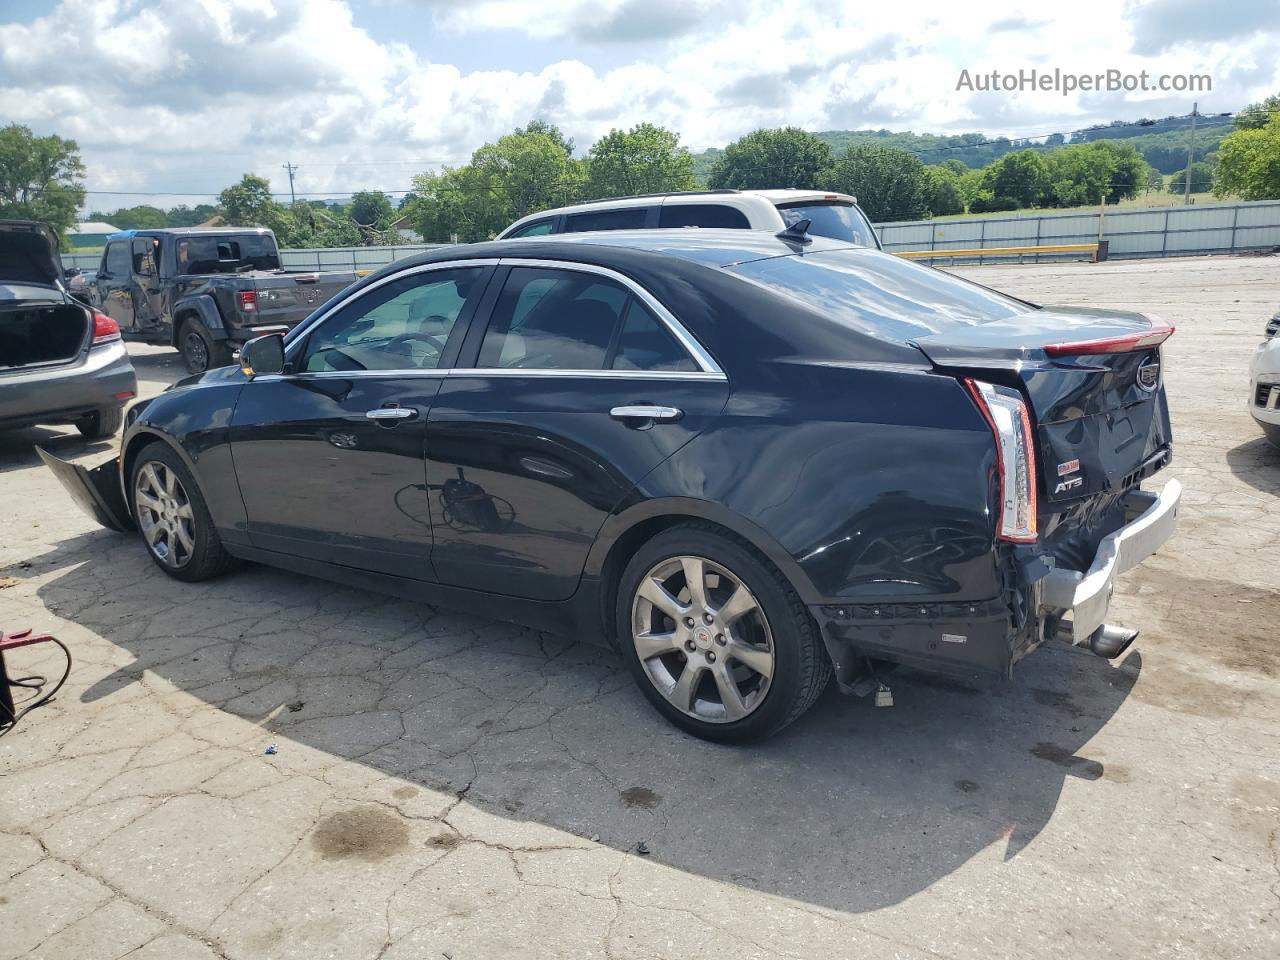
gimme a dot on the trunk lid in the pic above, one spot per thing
(29, 253)
(1094, 385)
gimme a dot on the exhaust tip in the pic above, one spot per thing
(1111, 641)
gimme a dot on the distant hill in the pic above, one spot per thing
(1162, 142)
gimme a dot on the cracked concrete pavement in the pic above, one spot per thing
(451, 787)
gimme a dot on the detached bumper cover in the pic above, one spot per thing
(96, 491)
(1082, 599)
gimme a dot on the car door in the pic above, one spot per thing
(114, 284)
(573, 384)
(145, 288)
(329, 454)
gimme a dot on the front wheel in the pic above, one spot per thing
(173, 518)
(716, 637)
(200, 351)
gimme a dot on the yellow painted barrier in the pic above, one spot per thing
(1093, 248)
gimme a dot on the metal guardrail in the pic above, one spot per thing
(1098, 251)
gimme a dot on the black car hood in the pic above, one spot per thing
(29, 253)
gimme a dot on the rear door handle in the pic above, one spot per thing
(646, 412)
(392, 413)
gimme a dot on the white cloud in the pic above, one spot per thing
(165, 102)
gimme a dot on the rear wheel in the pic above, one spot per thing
(200, 351)
(101, 423)
(716, 638)
(173, 518)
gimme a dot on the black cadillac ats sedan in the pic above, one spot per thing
(748, 461)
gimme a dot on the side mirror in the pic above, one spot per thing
(262, 355)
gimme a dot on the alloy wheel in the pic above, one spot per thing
(165, 515)
(703, 639)
(195, 352)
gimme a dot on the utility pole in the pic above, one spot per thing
(1191, 153)
(291, 167)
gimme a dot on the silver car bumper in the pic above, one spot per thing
(1081, 599)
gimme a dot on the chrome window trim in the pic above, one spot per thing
(700, 356)
(495, 372)
(300, 332)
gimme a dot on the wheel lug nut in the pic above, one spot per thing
(689, 645)
(711, 657)
(708, 619)
(720, 639)
(688, 621)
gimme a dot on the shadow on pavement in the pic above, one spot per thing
(853, 807)
(1257, 463)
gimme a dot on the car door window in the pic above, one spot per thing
(646, 344)
(553, 319)
(539, 229)
(402, 325)
(118, 259)
(628, 218)
(702, 215)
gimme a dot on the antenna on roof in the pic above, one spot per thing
(797, 232)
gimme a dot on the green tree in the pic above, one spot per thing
(184, 216)
(1018, 179)
(644, 159)
(763, 159)
(1080, 174)
(1249, 163)
(942, 195)
(142, 217)
(371, 209)
(41, 178)
(1201, 179)
(1257, 115)
(529, 171)
(248, 203)
(551, 130)
(958, 167)
(1130, 173)
(889, 183)
(462, 202)
(1155, 180)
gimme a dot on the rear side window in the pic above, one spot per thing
(880, 294)
(646, 344)
(539, 229)
(630, 218)
(702, 215)
(227, 254)
(553, 320)
(840, 221)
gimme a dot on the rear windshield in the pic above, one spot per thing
(840, 221)
(227, 253)
(880, 294)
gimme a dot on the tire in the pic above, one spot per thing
(200, 351)
(187, 546)
(101, 424)
(772, 653)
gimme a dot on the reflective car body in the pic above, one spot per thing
(823, 412)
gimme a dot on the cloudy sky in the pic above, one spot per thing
(183, 96)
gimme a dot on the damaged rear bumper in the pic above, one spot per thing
(1079, 600)
(96, 491)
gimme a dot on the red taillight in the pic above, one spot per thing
(1156, 335)
(1007, 416)
(104, 329)
(248, 300)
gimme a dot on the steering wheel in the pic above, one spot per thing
(404, 338)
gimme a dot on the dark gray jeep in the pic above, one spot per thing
(205, 290)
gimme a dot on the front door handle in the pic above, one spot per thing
(646, 412)
(392, 413)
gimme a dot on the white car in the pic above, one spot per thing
(1264, 383)
(835, 215)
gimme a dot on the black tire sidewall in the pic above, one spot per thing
(208, 557)
(785, 688)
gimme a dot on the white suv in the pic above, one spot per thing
(834, 215)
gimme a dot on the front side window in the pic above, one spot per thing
(629, 218)
(539, 229)
(840, 221)
(402, 325)
(144, 255)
